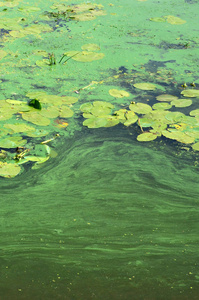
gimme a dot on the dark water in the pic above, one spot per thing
(109, 218)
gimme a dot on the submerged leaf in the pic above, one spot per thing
(87, 56)
(175, 20)
(145, 86)
(90, 47)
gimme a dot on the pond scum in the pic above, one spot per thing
(32, 121)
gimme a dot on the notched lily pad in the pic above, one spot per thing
(12, 142)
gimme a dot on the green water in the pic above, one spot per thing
(109, 217)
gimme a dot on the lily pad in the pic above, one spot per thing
(146, 137)
(69, 99)
(95, 122)
(19, 127)
(181, 102)
(131, 118)
(87, 56)
(162, 106)
(166, 97)
(9, 170)
(12, 142)
(196, 146)
(50, 112)
(101, 108)
(194, 112)
(37, 133)
(35, 118)
(145, 86)
(175, 117)
(66, 112)
(190, 93)
(86, 107)
(140, 108)
(178, 136)
(118, 93)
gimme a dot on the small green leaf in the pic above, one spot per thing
(35, 103)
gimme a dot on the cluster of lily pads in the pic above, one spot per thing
(79, 12)
(154, 121)
(42, 110)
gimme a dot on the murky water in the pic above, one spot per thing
(109, 217)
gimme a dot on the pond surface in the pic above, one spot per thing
(103, 199)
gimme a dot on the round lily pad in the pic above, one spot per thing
(12, 142)
(131, 118)
(66, 112)
(194, 112)
(178, 136)
(146, 137)
(9, 170)
(68, 99)
(140, 108)
(190, 93)
(181, 102)
(35, 118)
(166, 97)
(95, 122)
(162, 106)
(175, 117)
(37, 133)
(118, 93)
(86, 107)
(145, 86)
(19, 127)
(50, 112)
